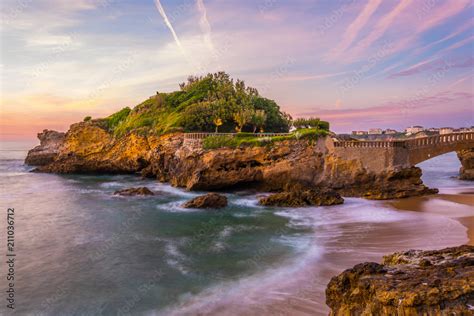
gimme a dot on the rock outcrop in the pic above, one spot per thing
(141, 191)
(89, 147)
(386, 185)
(210, 200)
(438, 282)
(467, 164)
(298, 195)
(47, 151)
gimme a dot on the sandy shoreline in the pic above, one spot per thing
(428, 204)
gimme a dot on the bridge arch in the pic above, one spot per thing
(379, 156)
(422, 149)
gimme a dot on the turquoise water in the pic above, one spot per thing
(95, 251)
(83, 251)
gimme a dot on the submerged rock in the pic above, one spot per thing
(467, 164)
(415, 282)
(134, 191)
(47, 151)
(297, 196)
(210, 200)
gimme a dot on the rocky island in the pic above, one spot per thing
(156, 140)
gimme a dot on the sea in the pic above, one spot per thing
(81, 250)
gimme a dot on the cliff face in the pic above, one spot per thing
(467, 161)
(271, 168)
(408, 283)
(46, 152)
(88, 147)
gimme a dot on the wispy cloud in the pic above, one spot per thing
(354, 28)
(205, 26)
(433, 65)
(392, 113)
(314, 77)
(382, 26)
(167, 22)
(461, 29)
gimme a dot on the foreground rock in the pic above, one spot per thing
(46, 152)
(210, 200)
(467, 164)
(298, 196)
(408, 283)
(141, 191)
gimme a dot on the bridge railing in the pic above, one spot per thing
(197, 136)
(440, 139)
(369, 144)
(409, 143)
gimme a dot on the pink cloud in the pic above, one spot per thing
(354, 28)
(433, 65)
(403, 112)
(382, 26)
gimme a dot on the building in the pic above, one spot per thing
(433, 130)
(389, 131)
(446, 130)
(375, 131)
(414, 129)
(359, 133)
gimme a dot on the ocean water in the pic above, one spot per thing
(80, 250)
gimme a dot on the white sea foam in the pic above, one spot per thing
(176, 259)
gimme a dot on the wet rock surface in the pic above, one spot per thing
(415, 282)
(467, 164)
(210, 200)
(141, 191)
(298, 196)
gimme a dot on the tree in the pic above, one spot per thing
(241, 118)
(258, 120)
(217, 122)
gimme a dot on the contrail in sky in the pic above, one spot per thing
(170, 27)
(205, 26)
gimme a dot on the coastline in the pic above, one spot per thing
(367, 231)
(436, 204)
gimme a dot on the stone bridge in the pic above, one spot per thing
(399, 154)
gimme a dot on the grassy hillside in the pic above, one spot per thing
(203, 104)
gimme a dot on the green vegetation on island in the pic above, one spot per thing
(203, 104)
(250, 139)
(211, 103)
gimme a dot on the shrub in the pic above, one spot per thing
(115, 119)
(244, 134)
(87, 119)
(218, 141)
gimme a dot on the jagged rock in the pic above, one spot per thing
(297, 196)
(415, 282)
(89, 147)
(47, 151)
(467, 164)
(134, 191)
(210, 200)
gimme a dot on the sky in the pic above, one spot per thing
(356, 63)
